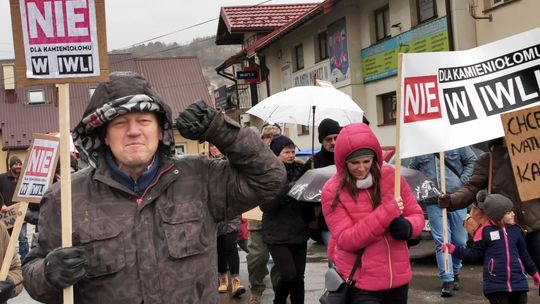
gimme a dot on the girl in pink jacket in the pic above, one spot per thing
(362, 214)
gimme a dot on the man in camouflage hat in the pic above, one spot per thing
(144, 222)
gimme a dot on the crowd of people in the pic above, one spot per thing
(153, 228)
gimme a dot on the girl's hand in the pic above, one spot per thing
(448, 247)
(399, 202)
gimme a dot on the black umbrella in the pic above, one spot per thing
(308, 187)
(422, 187)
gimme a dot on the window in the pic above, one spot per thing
(382, 23)
(179, 150)
(322, 46)
(303, 130)
(426, 10)
(91, 91)
(388, 108)
(492, 4)
(299, 57)
(499, 2)
(36, 97)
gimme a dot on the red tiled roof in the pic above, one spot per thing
(234, 21)
(262, 17)
(179, 81)
(320, 8)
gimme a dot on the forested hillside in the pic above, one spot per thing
(209, 54)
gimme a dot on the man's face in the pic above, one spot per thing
(287, 155)
(329, 142)
(16, 169)
(133, 139)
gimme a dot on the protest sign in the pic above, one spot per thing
(9, 215)
(38, 169)
(454, 99)
(522, 135)
(59, 41)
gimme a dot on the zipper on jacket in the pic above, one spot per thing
(389, 261)
(507, 260)
(140, 199)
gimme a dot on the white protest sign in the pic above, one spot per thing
(60, 38)
(454, 99)
(38, 169)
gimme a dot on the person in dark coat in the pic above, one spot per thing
(144, 221)
(8, 183)
(284, 227)
(328, 132)
(500, 245)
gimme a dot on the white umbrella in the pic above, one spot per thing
(296, 106)
(308, 105)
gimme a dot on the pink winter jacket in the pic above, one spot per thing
(353, 226)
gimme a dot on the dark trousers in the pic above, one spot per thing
(290, 259)
(396, 295)
(502, 297)
(227, 253)
(533, 246)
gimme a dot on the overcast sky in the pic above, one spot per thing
(133, 21)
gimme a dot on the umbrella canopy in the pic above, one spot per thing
(308, 187)
(295, 106)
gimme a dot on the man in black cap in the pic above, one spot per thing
(328, 132)
(8, 182)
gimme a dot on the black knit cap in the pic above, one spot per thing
(279, 142)
(14, 160)
(495, 206)
(328, 127)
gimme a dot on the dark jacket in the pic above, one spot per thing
(527, 213)
(8, 182)
(285, 219)
(505, 257)
(321, 159)
(164, 250)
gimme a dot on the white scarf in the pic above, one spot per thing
(365, 183)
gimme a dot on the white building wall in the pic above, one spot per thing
(466, 33)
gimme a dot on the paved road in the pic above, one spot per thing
(424, 288)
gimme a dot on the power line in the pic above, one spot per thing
(164, 35)
(182, 29)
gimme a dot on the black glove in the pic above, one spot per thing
(65, 266)
(6, 289)
(195, 120)
(444, 200)
(400, 228)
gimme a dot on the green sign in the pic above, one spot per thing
(380, 60)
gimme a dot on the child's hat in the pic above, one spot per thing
(495, 206)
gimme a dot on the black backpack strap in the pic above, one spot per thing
(449, 166)
(357, 264)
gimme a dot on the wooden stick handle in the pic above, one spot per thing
(444, 213)
(13, 240)
(65, 173)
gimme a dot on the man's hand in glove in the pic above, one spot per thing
(195, 120)
(6, 289)
(65, 266)
(444, 200)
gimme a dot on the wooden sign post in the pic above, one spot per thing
(61, 44)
